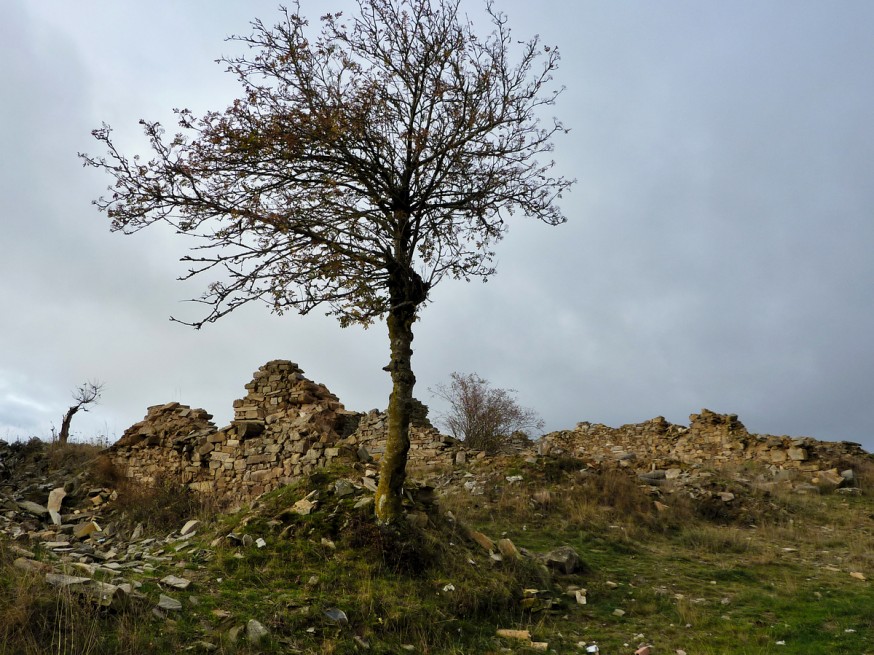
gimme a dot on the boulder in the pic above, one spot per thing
(563, 559)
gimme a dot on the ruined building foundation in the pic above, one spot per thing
(287, 427)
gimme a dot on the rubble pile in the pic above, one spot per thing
(288, 426)
(430, 451)
(712, 439)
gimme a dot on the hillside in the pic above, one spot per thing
(525, 552)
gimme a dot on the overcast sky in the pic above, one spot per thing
(718, 251)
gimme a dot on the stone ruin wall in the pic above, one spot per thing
(711, 439)
(288, 426)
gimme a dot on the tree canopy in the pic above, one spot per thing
(359, 167)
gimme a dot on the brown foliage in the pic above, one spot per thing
(482, 415)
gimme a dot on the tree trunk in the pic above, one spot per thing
(394, 460)
(65, 424)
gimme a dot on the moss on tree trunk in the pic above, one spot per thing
(394, 460)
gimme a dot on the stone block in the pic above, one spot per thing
(250, 427)
(797, 454)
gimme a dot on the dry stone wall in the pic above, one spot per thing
(710, 438)
(285, 427)
(288, 426)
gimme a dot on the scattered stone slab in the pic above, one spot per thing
(63, 580)
(256, 632)
(52, 545)
(337, 615)
(169, 604)
(563, 559)
(84, 529)
(508, 549)
(33, 508)
(343, 488)
(105, 594)
(303, 507)
(56, 497)
(481, 539)
(189, 527)
(176, 582)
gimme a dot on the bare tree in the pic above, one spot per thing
(84, 395)
(482, 415)
(361, 165)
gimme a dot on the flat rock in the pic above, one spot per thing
(62, 580)
(303, 507)
(169, 604)
(255, 631)
(486, 543)
(56, 497)
(176, 582)
(105, 594)
(84, 529)
(508, 549)
(343, 488)
(33, 508)
(189, 527)
(564, 559)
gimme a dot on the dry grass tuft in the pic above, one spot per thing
(162, 506)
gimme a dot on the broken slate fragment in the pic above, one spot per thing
(167, 603)
(189, 527)
(337, 615)
(56, 497)
(84, 529)
(33, 508)
(255, 631)
(508, 549)
(303, 507)
(175, 582)
(343, 488)
(486, 543)
(563, 559)
(61, 580)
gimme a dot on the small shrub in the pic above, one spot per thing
(556, 469)
(104, 472)
(163, 506)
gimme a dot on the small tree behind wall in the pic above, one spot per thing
(482, 415)
(84, 395)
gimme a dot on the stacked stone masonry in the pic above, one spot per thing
(287, 427)
(711, 439)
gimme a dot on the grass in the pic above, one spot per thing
(769, 576)
(768, 572)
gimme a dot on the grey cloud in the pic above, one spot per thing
(717, 251)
